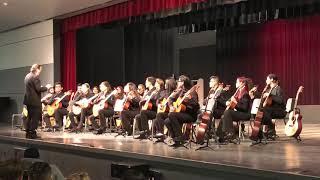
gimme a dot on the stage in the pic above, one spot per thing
(283, 158)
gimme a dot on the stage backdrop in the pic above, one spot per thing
(132, 53)
(288, 48)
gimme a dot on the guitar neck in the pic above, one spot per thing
(296, 100)
(90, 99)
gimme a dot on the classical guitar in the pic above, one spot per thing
(102, 104)
(148, 105)
(232, 103)
(56, 104)
(163, 106)
(82, 104)
(178, 105)
(293, 127)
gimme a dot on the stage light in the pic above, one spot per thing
(5, 4)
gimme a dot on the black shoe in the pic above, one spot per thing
(159, 135)
(48, 130)
(141, 132)
(178, 139)
(176, 144)
(101, 131)
(141, 136)
(72, 130)
(32, 135)
(92, 128)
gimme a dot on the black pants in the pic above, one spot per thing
(175, 120)
(127, 118)
(103, 114)
(84, 113)
(143, 117)
(229, 116)
(270, 113)
(34, 117)
(46, 119)
(158, 123)
(58, 115)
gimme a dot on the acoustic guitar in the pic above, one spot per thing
(293, 127)
(82, 104)
(163, 106)
(56, 104)
(178, 105)
(148, 105)
(102, 104)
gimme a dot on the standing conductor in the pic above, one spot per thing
(32, 99)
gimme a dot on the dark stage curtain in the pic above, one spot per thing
(116, 12)
(100, 55)
(148, 53)
(288, 48)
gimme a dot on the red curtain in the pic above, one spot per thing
(289, 48)
(68, 66)
(105, 15)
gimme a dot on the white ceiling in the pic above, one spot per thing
(22, 12)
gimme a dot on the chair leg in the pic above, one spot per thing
(64, 121)
(12, 119)
(134, 127)
(152, 126)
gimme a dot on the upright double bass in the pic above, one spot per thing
(258, 119)
(206, 113)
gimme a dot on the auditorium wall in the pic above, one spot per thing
(19, 49)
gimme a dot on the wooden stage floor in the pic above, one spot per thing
(284, 155)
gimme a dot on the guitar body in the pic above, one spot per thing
(232, 105)
(294, 125)
(147, 106)
(256, 126)
(162, 107)
(267, 102)
(95, 110)
(67, 123)
(76, 110)
(53, 107)
(52, 122)
(84, 103)
(126, 105)
(178, 106)
(24, 112)
(203, 127)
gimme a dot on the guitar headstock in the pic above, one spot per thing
(254, 89)
(300, 90)
(68, 93)
(227, 88)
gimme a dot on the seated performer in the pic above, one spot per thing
(107, 97)
(95, 90)
(162, 104)
(62, 110)
(217, 93)
(238, 108)
(175, 119)
(130, 108)
(86, 94)
(154, 86)
(277, 108)
(47, 97)
(141, 90)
